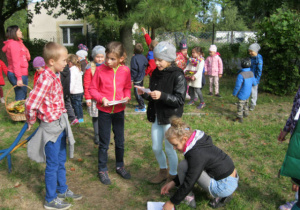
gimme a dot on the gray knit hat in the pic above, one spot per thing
(254, 47)
(165, 51)
(98, 50)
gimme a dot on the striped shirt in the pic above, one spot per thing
(45, 101)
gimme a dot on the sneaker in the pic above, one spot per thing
(103, 176)
(191, 102)
(201, 105)
(196, 99)
(140, 110)
(238, 119)
(210, 94)
(69, 194)
(288, 205)
(81, 120)
(74, 122)
(252, 107)
(219, 202)
(218, 95)
(137, 106)
(123, 173)
(190, 200)
(57, 203)
(188, 97)
(2, 100)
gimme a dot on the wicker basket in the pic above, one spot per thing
(14, 116)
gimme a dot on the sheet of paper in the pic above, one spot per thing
(146, 90)
(111, 103)
(155, 205)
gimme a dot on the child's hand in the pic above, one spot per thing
(105, 102)
(155, 94)
(282, 135)
(295, 188)
(167, 187)
(220, 75)
(143, 30)
(139, 91)
(127, 100)
(29, 127)
(19, 83)
(168, 206)
(89, 103)
(193, 78)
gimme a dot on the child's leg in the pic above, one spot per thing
(171, 153)
(139, 98)
(246, 108)
(1, 92)
(240, 108)
(157, 134)
(118, 130)
(70, 110)
(55, 172)
(80, 105)
(254, 96)
(211, 79)
(104, 121)
(192, 93)
(216, 84)
(96, 129)
(199, 94)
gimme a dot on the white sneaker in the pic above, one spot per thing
(2, 100)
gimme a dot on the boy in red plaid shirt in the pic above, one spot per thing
(46, 102)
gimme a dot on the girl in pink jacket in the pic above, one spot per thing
(111, 88)
(3, 68)
(17, 56)
(214, 69)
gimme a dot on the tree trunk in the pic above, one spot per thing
(2, 38)
(126, 39)
(152, 33)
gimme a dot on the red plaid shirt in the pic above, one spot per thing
(46, 100)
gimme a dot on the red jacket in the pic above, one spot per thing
(4, 69)
(151, 62)
(87, 79)
(17, 56)
(113, 84)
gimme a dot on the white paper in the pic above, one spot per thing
(111, 103)
(146, 90)
(155, 205)
(297, 115)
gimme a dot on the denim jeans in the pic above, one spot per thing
(20, 92)
(105, 121)
(224, 187)
(69, 108)
(55, 172)
(76, 100)
(158, 137)
(196, 91)
(139, 98)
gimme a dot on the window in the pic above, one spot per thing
(69, 33)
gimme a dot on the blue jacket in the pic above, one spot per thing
(138, 66)
(256, 67)
(244, 82)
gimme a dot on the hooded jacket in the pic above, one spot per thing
(244, 82)
(213, 65)
(17, 56)
(4, 69)
(202, 155)
(256, 66)
(172, 84)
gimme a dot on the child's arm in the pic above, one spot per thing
(147, 37)
(127, 87)
(258, 70)
(87, 79)
(198, 74)
(238, 84)
(3, 66)
(95, 83)
(16, 64)
(220, 67)
(206, 66)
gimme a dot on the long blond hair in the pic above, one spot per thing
(178, 129)
(74, 60)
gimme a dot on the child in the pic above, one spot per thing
(39, 65)
(256, 68)
(45, 102)
(151, 44)
(138, 65)
(243, 86)
(76, 87)
(2, 82)
(203, 163)
(182, 55)
(98, 55)
(111, 82)
(168, 89)
(292, 159)
(196, 64)
(82, 54)
(214, 69)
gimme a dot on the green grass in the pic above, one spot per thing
(252, 145)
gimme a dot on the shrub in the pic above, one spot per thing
(279, 37)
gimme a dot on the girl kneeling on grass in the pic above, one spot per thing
(203, 160)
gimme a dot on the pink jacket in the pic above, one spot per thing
(17, 56)
(113, 84)
(213, 65)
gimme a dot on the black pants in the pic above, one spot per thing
(139, 98)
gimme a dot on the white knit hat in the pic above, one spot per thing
(213, 48)
(82, 53)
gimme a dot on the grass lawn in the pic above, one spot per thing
(252, 145)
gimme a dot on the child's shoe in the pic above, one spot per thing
(188, 97)
(195, 99)
(191, 102)
(190, 200)
(123, 173)
(201, 105)
(219, 202)
(210, 94)
(69, 194)
(74, 122)
(218, 95)
(104, 179)
(288, 205)
(238, 119)
(57, 203)
(252, 107)
(162, 176)
(81, 120)
(140, 110)
(2, 100)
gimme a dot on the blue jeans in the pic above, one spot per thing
(76, 100)
(55, 172)
(139, 98)
(105, 121)
(20, 92)
(158, 136)
(224, 187)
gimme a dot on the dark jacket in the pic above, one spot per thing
(65, 81)
(203, 156)
(244, 82)
(172, 84)
(138, 66)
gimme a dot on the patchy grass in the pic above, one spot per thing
(252, 146)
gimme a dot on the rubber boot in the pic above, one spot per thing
(162, 176)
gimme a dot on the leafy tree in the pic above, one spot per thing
(279, 37)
